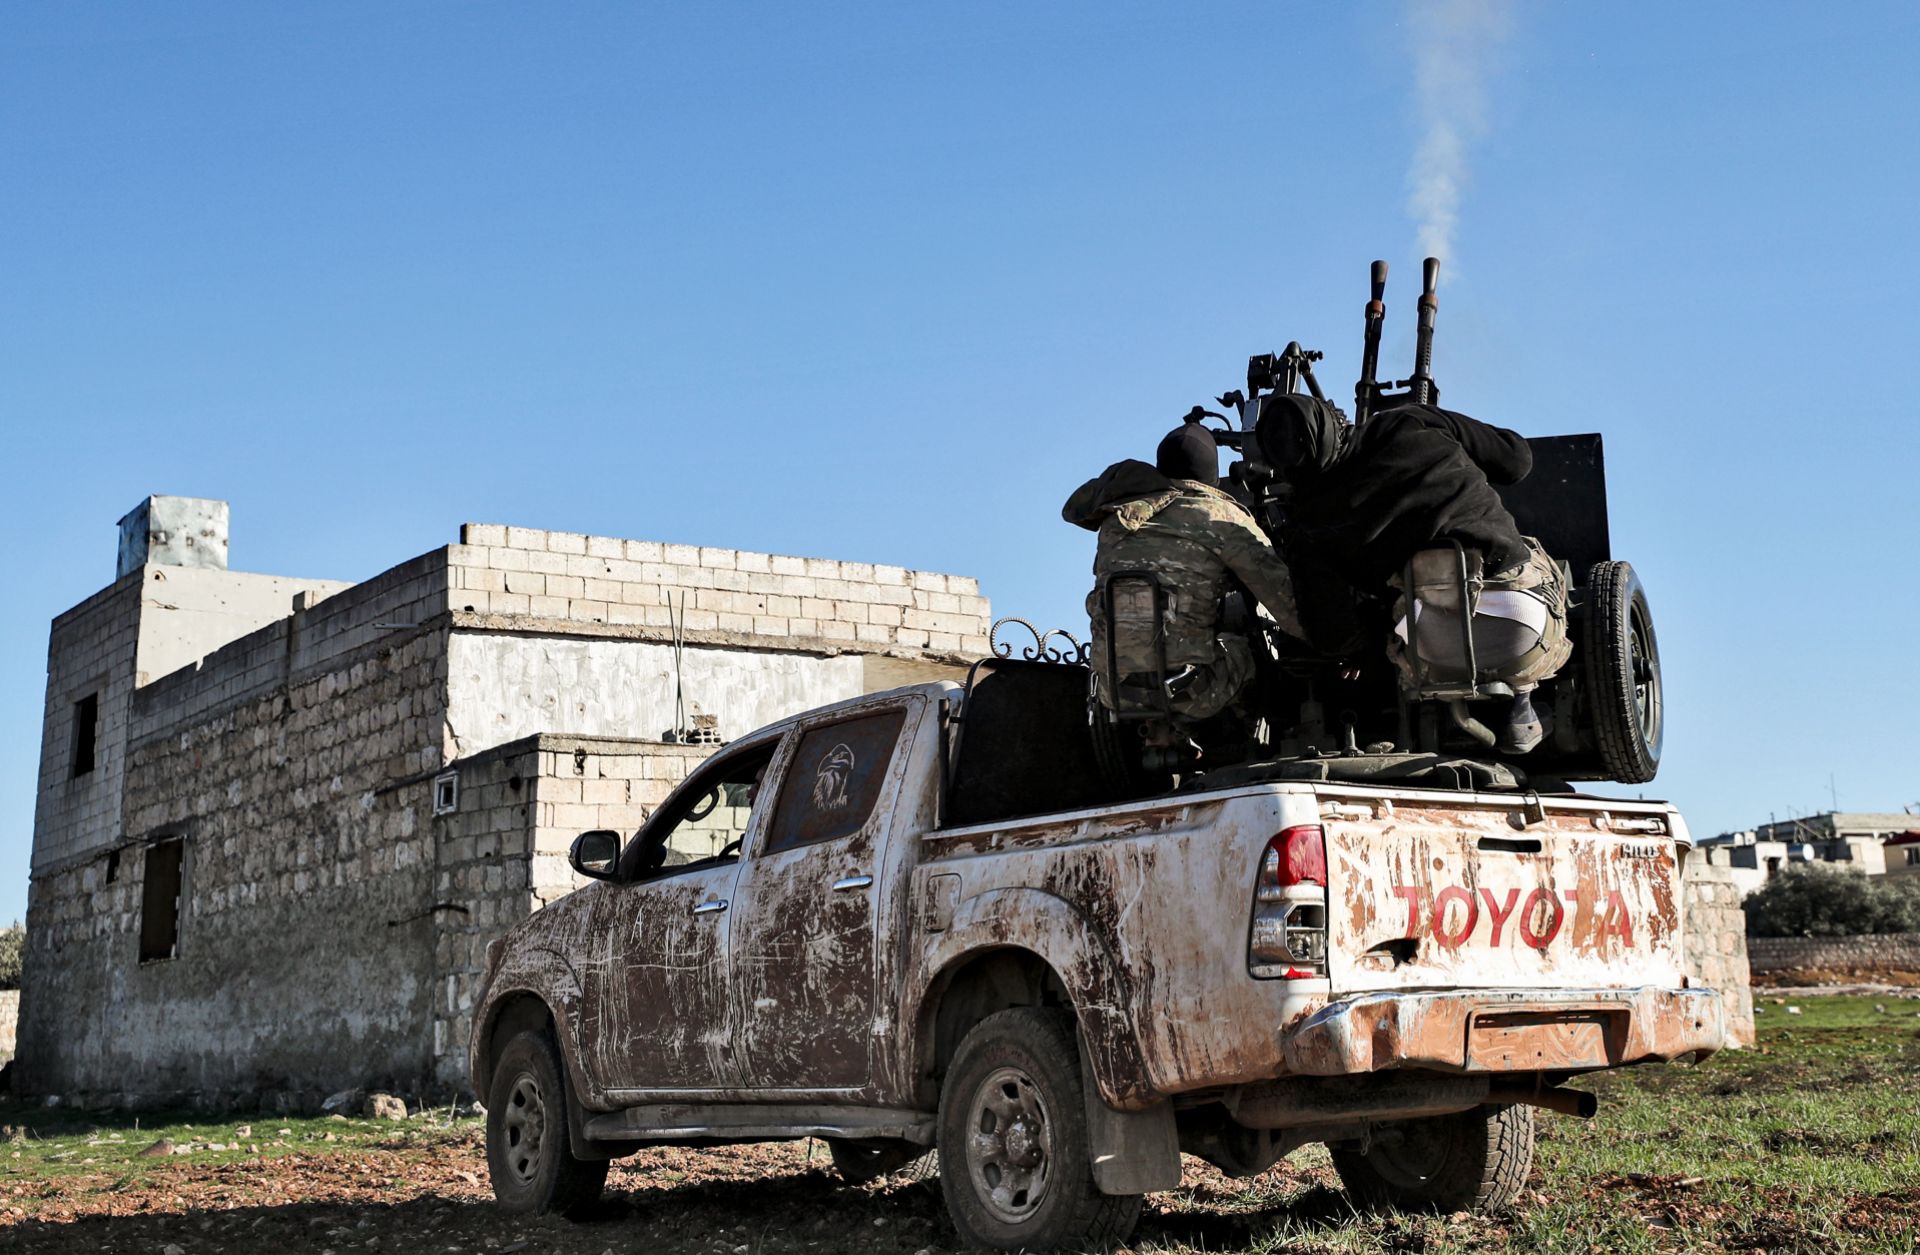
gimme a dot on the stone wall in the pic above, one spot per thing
(1716, 943)
(305, 933)
(90, 652)
(1890, 952)
(154, 621)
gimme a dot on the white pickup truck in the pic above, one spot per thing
(909, 921)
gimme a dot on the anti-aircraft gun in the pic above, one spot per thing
(1344, 715)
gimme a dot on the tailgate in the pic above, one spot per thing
(1436, 891)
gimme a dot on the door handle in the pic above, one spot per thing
(712, 907)
(852, 882)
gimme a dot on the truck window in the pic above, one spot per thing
(708, 820)
(834, 780)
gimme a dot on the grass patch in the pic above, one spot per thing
(42, 1144)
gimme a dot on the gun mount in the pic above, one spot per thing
(1341, 712)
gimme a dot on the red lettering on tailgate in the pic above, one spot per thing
(1533, 936)
(1498, 912)
(1453, 893)
(1538, 919)
(1615, 922)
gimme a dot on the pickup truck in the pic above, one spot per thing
(915, 920)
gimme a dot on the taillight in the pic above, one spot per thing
(1288, 939)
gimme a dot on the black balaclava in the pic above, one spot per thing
(1189, 452)
(1299, 435)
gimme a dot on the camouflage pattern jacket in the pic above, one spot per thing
(1193, 537)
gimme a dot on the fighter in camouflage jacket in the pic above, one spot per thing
(1194, 538)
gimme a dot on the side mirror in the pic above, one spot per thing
(596, 854)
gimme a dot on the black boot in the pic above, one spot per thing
(1525, 728)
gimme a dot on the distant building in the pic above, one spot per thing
(279, 819)
(1856, 839)
(1903, 852)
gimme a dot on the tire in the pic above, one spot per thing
(1624, 693)
(528, 1155)
(1469, 1161)
(1016, 1169)
(859, 1160)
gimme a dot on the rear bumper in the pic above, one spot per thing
(1505, 1030)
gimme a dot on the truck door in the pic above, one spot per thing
(657, 1004)
(803, 929)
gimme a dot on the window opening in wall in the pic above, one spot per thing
(1913, 857)
(160, 902)
(446, 793)
(86, 721)
(113, 866)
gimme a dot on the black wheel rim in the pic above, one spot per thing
(1644, 666)
(1410, 1155)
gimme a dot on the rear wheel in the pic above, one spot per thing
(1623, 674)
(1015, 1166)
(1472, 1160)
(528, 1154)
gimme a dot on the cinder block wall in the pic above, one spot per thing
(730, 595)
(1716, 942)
(332, 928)
(90, 651)
(503, 851)
(294, 764)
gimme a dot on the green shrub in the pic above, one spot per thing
(1815, 900)
(11, 942)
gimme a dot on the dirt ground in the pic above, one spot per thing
(430, 1195)
(1811, 1142)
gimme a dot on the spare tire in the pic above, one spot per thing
(1624, 693)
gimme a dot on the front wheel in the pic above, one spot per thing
(1015, 1165)
(1470, 1161)
(528, 1155)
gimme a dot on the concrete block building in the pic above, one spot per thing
(279, 819)
(1861, 841)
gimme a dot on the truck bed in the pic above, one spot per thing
(1457, 925)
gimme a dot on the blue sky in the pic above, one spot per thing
(884, 282)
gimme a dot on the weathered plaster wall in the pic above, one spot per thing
(1716, 942)
(187, 614)
(505, 686)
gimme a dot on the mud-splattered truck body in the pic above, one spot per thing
(1401, 973)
